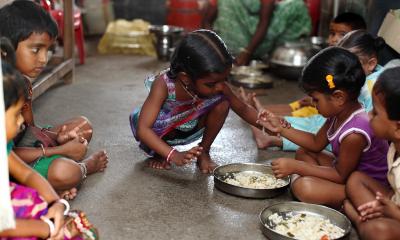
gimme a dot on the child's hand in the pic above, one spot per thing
(271, 122)
(283, 167)
(182, 158)
(56, 213)
(370, 210)
(64, 136)
(389, 208)
(75, 149)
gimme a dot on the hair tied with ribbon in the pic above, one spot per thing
(329, 79)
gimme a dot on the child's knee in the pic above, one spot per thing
(64, 173)
(301, 153)
(303, 189)
(371, 229)
(353, 183)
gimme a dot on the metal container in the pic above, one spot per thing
(282, 209)
(220, 173)
(288, 60)
(251, 76)
(165, 38)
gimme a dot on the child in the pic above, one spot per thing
(366, 47)
(188, 101)
(333, 78)
(339, 26)
(52, 151)
(371, 206)
(35, 203)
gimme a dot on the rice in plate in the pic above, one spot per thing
(297, 220)
(225, 173)
(305, 226)
(253, 179)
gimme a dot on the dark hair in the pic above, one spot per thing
(388, 85)
(7, 51)
(353, 20)
(344, 67)
(199, 53)
(20, 19)
(13, 85)
(364, 42)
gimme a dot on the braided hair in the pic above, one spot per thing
(199, 53)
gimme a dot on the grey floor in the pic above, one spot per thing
(131, 201)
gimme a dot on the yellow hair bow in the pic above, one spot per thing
(329, 79)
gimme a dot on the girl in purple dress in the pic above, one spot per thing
(333, 79)
(187, 102)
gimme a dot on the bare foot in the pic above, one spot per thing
(205, 164)
(68, 194)
(158, 163)
(264, 140)
(96, 162)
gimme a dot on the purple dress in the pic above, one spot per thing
(373, 159)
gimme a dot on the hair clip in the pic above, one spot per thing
(329, 79)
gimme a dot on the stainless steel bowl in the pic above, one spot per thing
(221, 172)
(334, 216)
(288, 60)
(165, 38)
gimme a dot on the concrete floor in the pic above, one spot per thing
(131, 201)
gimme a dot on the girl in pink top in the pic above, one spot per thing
(373, 207)
(333, 79)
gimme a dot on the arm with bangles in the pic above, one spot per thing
(266, 10)
(245, 111)
(75, 149)
(146, 134)
(31, 227)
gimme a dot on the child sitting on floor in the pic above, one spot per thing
(366, 47)
(188, 101)
(333, 78)
(55, 152)
(375, 208)
(39, 212)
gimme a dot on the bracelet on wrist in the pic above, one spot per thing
(49, 223)
(43, 150)
(244, 50)
(64, 202)
(169, 156)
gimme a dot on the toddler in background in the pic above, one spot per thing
(333, 78)
(375, 208)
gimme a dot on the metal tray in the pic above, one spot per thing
(221, 171)
(262, 81)
(334, 216)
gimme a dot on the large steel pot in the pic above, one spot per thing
(287, 61)
(165, 38)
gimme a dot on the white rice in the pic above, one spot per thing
(304, 226)
(257, 180)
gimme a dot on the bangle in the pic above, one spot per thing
(170, 155)
(63, 201)
(50, 223)
(244, 50)
(43, 150)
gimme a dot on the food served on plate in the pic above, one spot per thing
(304, 226)
(253, 179)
